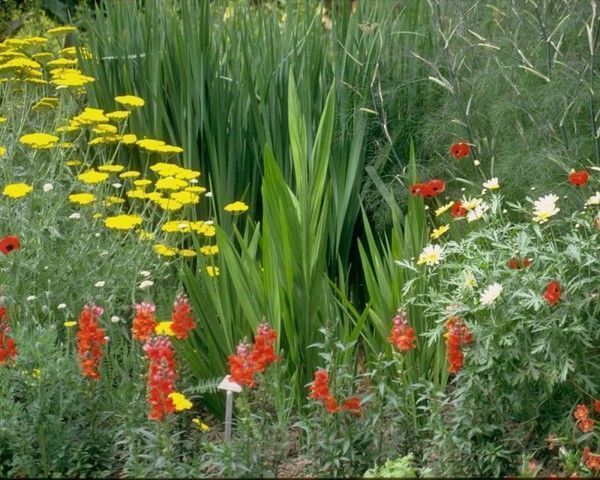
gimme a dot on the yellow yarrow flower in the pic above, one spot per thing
(112, 168)
(177, 226)
(123, 222)
(170, 183)
(180, 401)
(90, 116)
(128, 139)
(164, 250)
(130, 174)
(92, 177)
(187, 253)
(438, 232)
(104, 129)
(82, 198)
(145, 235)
(39, 140)
(16, 190)
(73, 163)
(112, 200)
(212, 271)
(130, 101)
(236, 207)
(2, 151)
(118, 115)
(209, 250)
(142, 183)
(149, 144)
(169, 205)
(136, 193)
(185, 198)
(70, 323)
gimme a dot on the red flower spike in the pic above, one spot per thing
(457, 210)
(579, 179)
(9, 244)
(402, 336)
(457, 335)
(352, 405)
(8, 347)
(90, 340)
(252, 359)
(552, 293)
(331, 405)
(161, 377)
(597, 406)
(182, 318)
(460, 150)
(144, 321)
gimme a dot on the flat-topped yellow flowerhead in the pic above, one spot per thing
(16, 190)
(82, 198)
(236, 207)
(123, 222)
(39, 140)
(92, 177)
(130, 101)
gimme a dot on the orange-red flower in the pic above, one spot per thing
(457, 335)
(352, 405)
(457, 210)
(591, 460)
(9, 244)
(582, 415)
(517, 263)
(552, 293)
(144, 321)
(90, 340)
(460, 149)
(402, 336)
(252, 359)
(597, 406)
(8, 346)
(161, 376)
(182, 318)
(579, 179)
(428, 189)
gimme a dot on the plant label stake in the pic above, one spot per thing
(229, 387)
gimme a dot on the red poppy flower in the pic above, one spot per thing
(579, 179)
(552, 293)
(9, 244)
(460, 150)
(458, 210)
(516, 263)
(433, 187)
(416, 189)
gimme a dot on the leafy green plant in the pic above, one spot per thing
(400, 468)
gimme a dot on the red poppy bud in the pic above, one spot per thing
(458, 210)
(579, 179)
(552, 293)
(460, 150)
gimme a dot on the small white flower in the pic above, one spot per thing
(61, 306)
(31, 298)
(492, 184)
(593, 200)
(107, 338)
(97, 234)
(490, 294)
(193, 180)
(431, 255)
(209, 222)
(100, 284)
(208, 194)
(145, 273)
(532, 189)
(75, 216)
(426, 207)
(476, 163)
(117, 185)
(544, 208)
(145, 284)
(470, 281)
(47, 187)
(115, 319)
(477, 212)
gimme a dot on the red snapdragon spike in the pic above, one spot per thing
(9, 244)
(161, 377)
(457, 335)
(552, 293)
(331, 404)
(144, 321)
(319, 389)
(457, 210)
(402, 336)
(2, 313)
(241, 368)
(182, 318)
(579, 179)
(90, 340)
(460, 149)
(352, 405)
(597, 406)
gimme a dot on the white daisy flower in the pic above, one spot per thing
(544, 208)
(431, 255)
(492, 184)
(477, 212)
(490, 294)
(593, 200)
